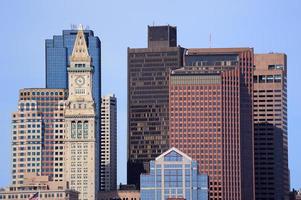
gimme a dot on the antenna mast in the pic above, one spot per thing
(210, 41)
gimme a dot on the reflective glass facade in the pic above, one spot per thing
(57, 53)
(59, 48)
(173, 175)
(148, 74)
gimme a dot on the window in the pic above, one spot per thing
(73, 130)
(85, 130)
(79, 130)
(173, 156)
(277, 78)
(80, 91)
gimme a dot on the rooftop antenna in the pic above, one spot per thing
(210, 41)
(80, 27)
(73, 26)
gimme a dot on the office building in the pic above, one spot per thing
(211, 117)
(41, 186)
(270, 127)
(38, 134)
(82, 161)
(174, 175)
(108, 162)
(148, 73)
(57, 53)
(55, 130)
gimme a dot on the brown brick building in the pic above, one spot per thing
(148, 73)
(270, 127)
(211, 118)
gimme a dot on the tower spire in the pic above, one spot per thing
(80, 49)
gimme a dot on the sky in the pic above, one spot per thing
(265, 25)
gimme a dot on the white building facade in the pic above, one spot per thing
(108, 166)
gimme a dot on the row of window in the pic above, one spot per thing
(41, 93)
(27, 196)
(266, 91)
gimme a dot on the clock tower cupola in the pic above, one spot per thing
(80, 70)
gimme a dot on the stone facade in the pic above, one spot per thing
(81, 149)
(46, 189)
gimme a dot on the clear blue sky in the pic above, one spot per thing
(266, 25)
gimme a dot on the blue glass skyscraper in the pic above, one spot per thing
(57, 53)
(174, 175)
(59, 48)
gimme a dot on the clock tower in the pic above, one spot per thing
(82, 157)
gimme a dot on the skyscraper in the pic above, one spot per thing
(38, 134)
(211, 120)
(108, 162)
(54, 131)
(270, 127)
(148, 73)
(81, 138)
(57, 53)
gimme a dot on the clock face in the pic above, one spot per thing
(80, 80)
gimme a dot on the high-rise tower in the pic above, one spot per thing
(270, 127)
(148, 73)
(108, 162)
(211, 117)
(57, 53)
(38, 134)
(81, 139)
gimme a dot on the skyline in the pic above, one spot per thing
(35, 40)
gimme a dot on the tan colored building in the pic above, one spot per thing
(81, 147)
(54, 130)
(37, 134)
(108, 163)
(270, 127)
(47, 190)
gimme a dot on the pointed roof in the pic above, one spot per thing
(175, 150)
(80, 49)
